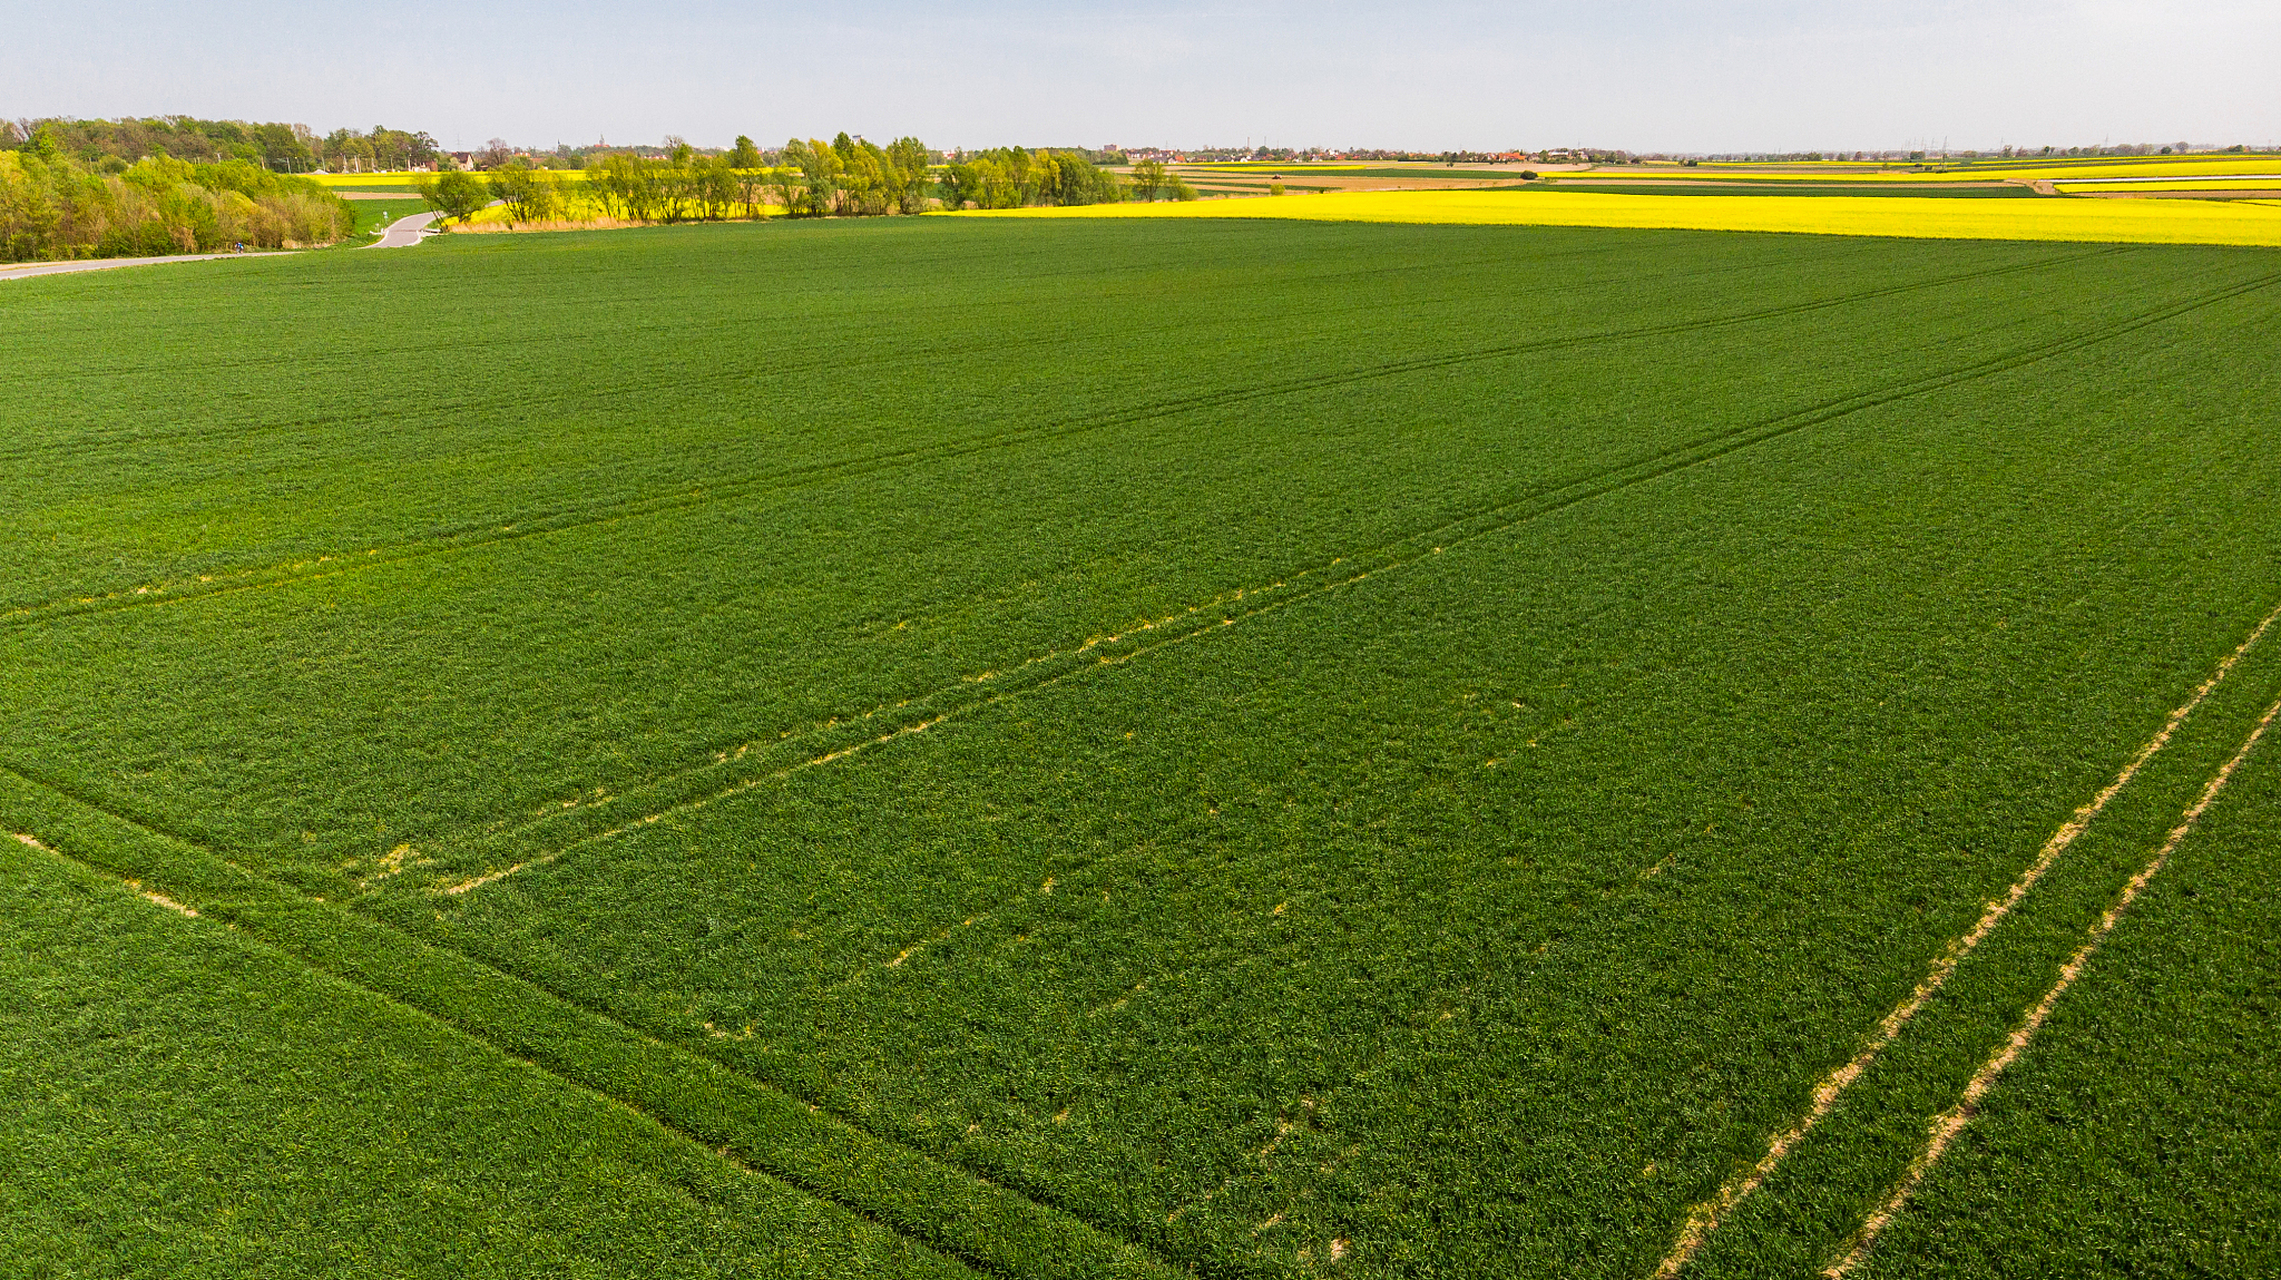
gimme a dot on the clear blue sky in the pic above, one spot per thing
(1432, 74)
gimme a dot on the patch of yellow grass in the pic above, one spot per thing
(1926, 217)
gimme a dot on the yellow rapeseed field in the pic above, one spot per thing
(2270, 180)
(2057, 169)
(1930, 217)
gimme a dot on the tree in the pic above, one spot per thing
(1149, 180)
(675, 188)
(529, 194)
(819, 165)
(787, 178)
(745, 155)
(453, 194)
(908, 164)
(751, 181)
(494, 154)
(867, 185)
(715, 183)
(1067, 178)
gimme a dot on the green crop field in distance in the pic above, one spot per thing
(1127, 747)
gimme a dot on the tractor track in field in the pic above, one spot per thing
(1465, 529)
(547, 521)
(1432, 542)
(924, 714)
(1704, 1219)
(1950, 1123)
(1204, 620)
(918, 711)
(669, 378)
(517, 1042)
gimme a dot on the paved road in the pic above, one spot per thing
(404, 232)
(105, 264)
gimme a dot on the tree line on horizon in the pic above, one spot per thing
(111, 145)
(805, 178)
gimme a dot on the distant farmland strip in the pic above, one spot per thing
(2114, 221)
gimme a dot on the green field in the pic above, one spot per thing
(1064, 748)
(371, 215)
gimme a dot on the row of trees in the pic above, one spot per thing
(57, 207)
(851, 177)
(682, 187)
(383, 149)
(806, 178)
(1010, 178)
(111, 145)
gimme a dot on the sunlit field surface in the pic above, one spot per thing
(1144, 746)
(2107, 221)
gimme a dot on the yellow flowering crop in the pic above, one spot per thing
(1931, 217)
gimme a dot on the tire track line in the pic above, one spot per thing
(1407, 551)
(672, 378)
(543, 523)
(725, 1153)
(1720, 448)
(156, 898)
(1705, 1218)
(1950, 1123)
(1455, 532)
(694, 1083)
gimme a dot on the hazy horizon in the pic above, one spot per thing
(1648, 75)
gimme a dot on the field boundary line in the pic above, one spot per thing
(1398, 553)
(1946, 1126)
(1704, 1219)
(982, 1223)
(517, 526)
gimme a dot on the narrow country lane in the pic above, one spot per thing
(404, 232)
